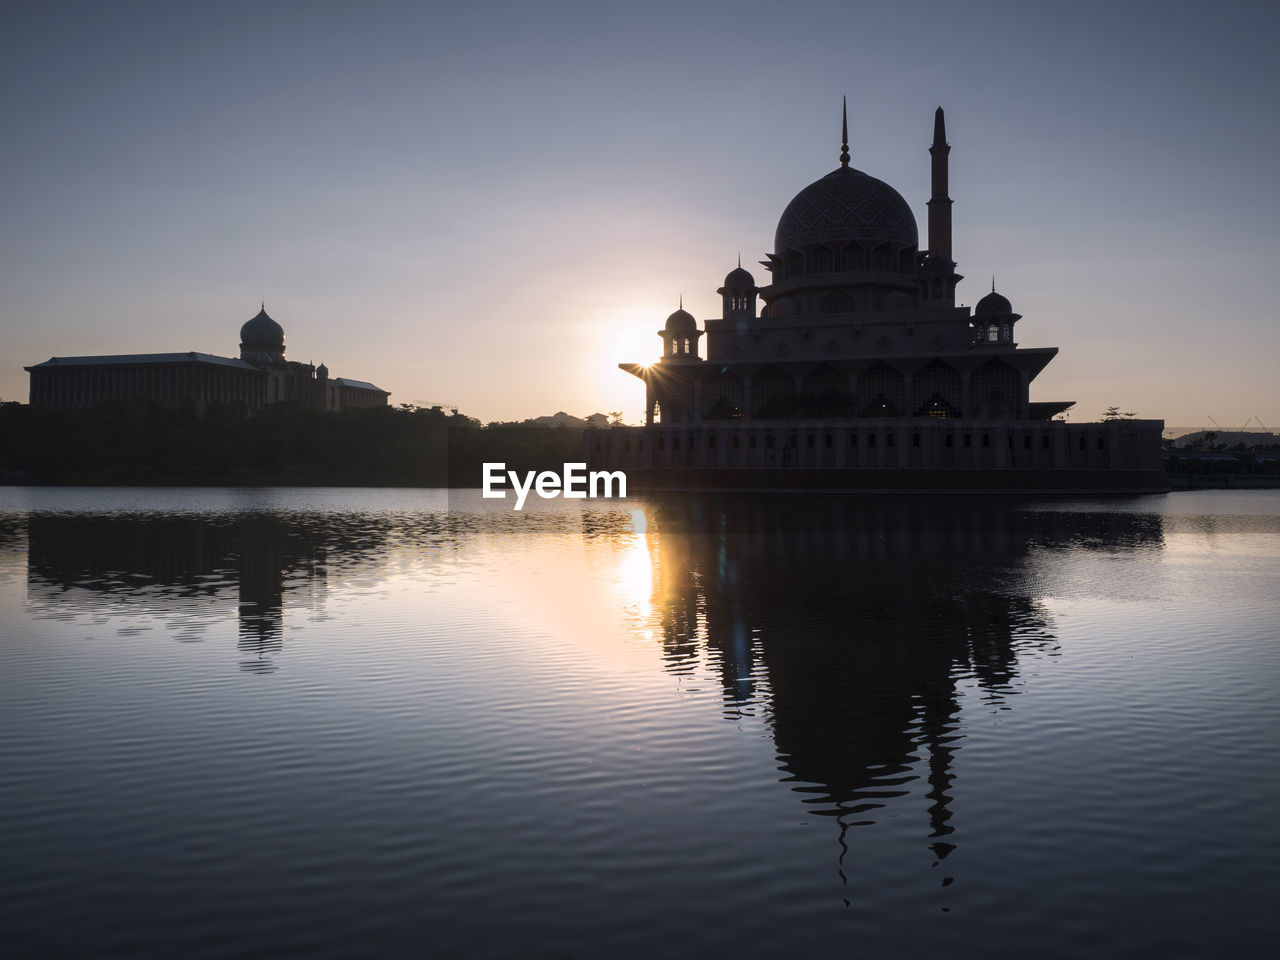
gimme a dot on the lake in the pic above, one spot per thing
(341, 722)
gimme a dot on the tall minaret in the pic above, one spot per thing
(939, 202)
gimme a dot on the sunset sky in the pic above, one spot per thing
(490, 205)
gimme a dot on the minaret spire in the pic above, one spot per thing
(844, 131)
(939, 203)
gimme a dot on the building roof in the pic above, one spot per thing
(360, 385)
(136, 359)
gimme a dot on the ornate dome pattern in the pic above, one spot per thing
(845, 205)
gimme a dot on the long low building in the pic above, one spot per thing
(260, 376)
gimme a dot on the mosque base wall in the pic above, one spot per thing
(1065, 482)
(899, 455)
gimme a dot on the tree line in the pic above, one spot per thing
(142, 443)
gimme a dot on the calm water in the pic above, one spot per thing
(329, 723)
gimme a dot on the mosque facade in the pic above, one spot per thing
(854, 367)
(258, 377)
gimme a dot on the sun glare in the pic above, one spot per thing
(630, 334)
(627, 334)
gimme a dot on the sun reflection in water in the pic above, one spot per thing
(634, 576)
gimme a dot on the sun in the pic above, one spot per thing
(630, 336)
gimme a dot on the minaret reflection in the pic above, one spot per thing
(858, 626)
(183, 570)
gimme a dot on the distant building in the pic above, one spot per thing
(261, 376)
(860, 370)
(1226, 439)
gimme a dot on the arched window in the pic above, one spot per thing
(851, 257)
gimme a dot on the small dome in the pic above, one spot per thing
(993, 305)
(322, 371)
(739, 279)
(681, 322)
(262, 331)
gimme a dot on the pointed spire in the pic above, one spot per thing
(993, 283)
(844, 131)
(739, 259)
(939, 201)
(682, 298)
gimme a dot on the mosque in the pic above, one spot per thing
(852, 367)
(259, 377)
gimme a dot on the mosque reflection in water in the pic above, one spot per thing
(864, 619)
(852, 625)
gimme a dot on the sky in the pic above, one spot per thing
(490, 205)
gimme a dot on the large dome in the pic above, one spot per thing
(262, 331)
(845, 205)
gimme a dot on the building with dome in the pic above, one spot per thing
(260, 376)
(853, 367)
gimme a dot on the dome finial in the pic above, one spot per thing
(993, 283)
(682, 301)
(739, 259)
(844, 131)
